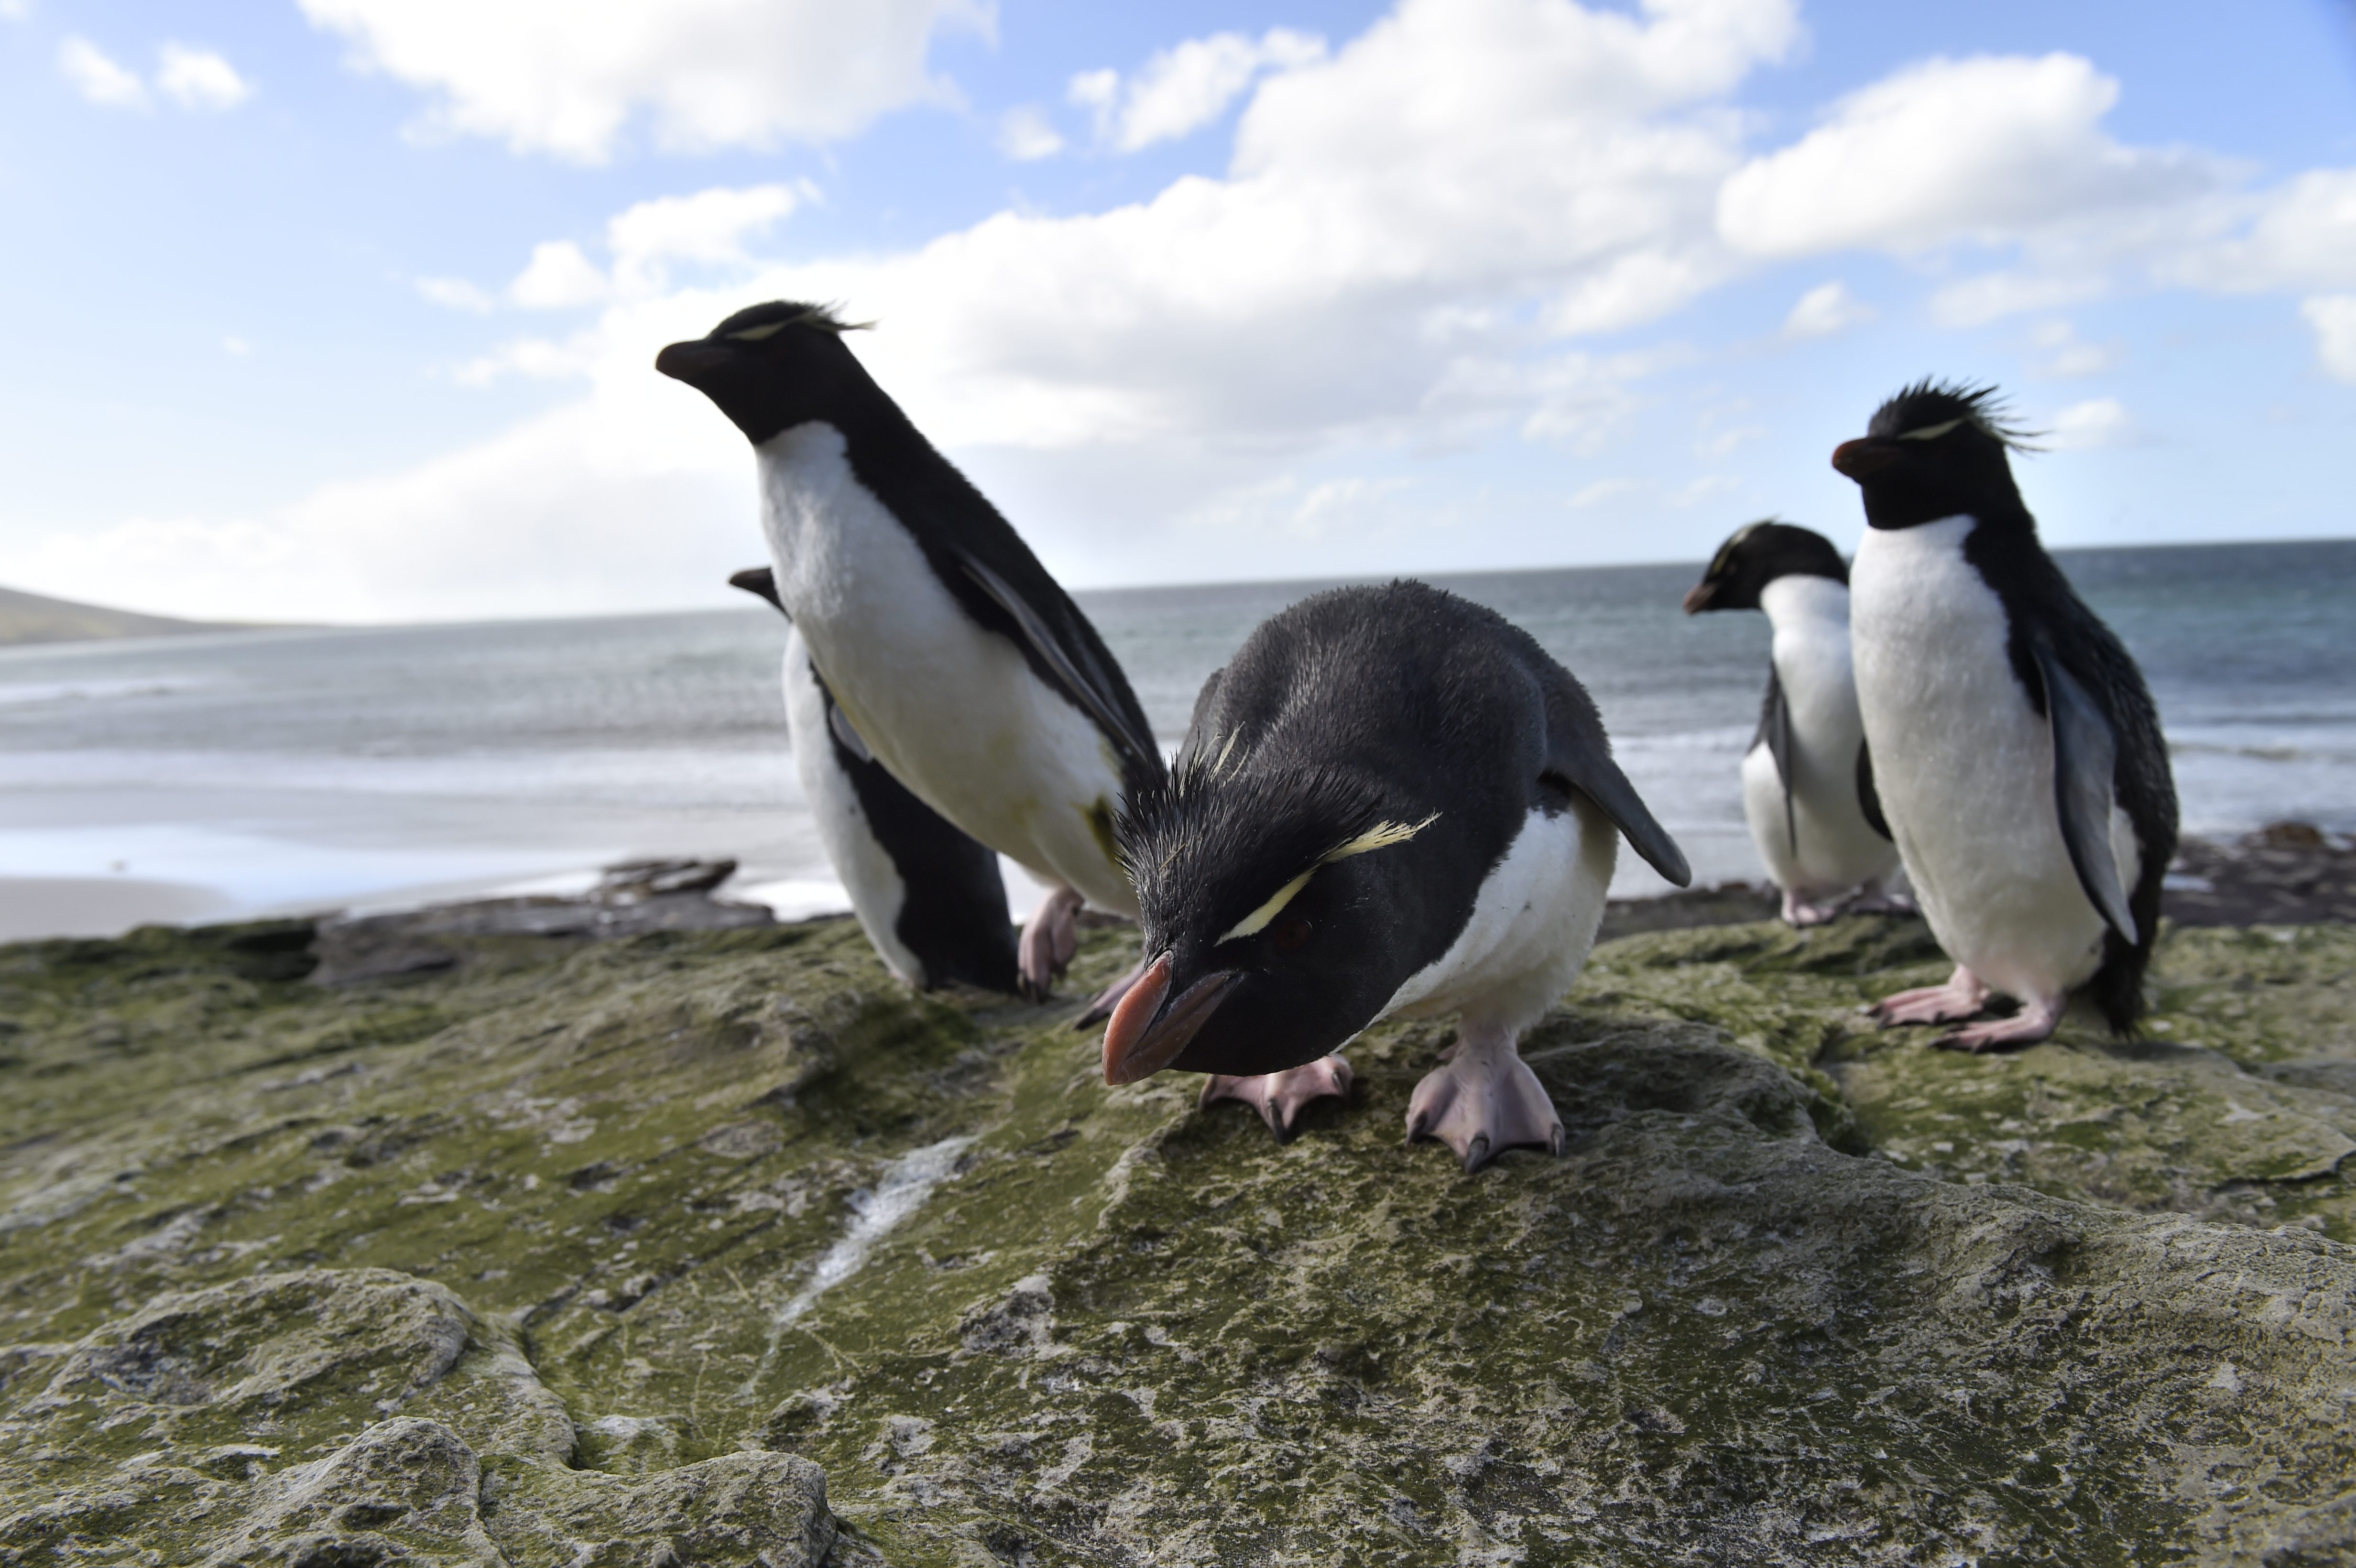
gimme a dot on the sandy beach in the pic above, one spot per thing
(100, 906)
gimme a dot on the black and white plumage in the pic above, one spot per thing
(974, 678)
(1390, 801)
(930, 899)
(1808, 779)
(2016, 751)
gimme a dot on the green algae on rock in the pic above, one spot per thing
(720, 1244)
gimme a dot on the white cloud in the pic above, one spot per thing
(1181, 89)
(199, 78)
(1025, 134)
(1826, 310)
(557, 277)
(456, 293)
(2098, 423)
(551, 76)
(2333, 316)
(97, 78)
(709, 227)
(15, 10)
(1991, 296)
(1988, 150)
(236, 347)
(2299, 236)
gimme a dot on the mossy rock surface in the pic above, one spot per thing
(721, 1247)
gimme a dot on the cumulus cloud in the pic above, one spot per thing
(1826, 310)
(1988, 150)
(96, 76)
(708, 227)
(2097, 422)
(2067, 356)
(199, 78)
(549, 76)
(1181, 89)
(2333, 316)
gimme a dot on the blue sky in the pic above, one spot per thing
(343, 309)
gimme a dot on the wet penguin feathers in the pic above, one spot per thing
(771, 367)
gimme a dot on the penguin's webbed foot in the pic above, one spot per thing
(1963, 997)
(1049, 939)
(1483, 1100)
(1802, 913)
(1279, 1097)
(1874, 898)
(1109, 998)
(2036, 1021)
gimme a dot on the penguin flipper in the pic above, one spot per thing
(1775, 729)
(1095, 703)
(1869, 798)
(1582, 759)
(2085, 765)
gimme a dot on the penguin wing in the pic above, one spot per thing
(2085, 764)
(1093, 700)
(1775, 731)
(1869, 798)
(1578, 754)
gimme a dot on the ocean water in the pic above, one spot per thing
(362, 768)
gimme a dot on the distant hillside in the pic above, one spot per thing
(30, 618)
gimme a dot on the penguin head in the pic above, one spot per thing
(1936, 450)
(772, 366)
(1272, 905)
(1756, 556)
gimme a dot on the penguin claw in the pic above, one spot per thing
(1050, 938)
(1482, 1101)
(2036, 1021)
(1964, 996)
(1280, 1097)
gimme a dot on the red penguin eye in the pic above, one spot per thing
(1291, 935)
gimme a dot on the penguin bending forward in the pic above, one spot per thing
(972, 677)
(2017, 750)
(1390, 801)
(930, 899)
(1807, 780)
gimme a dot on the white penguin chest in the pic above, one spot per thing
(1835, 849)
(1532, 925)
(1965, 764)
(952, 709)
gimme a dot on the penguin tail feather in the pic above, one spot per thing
(2117, 987)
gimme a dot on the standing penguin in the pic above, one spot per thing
(929, 898)
(973, 678)
(1807, 780)
(2016, 751)
(1391, 801)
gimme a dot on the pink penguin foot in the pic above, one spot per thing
(1804, 912)
(1279, 1097)
(1483, 1100)
(2036, 1021)
(1874, 898)
(1049, 940)
(1963, 997)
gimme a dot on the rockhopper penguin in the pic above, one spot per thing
(972, 677)
(1391, 801)
(929, 898)
(1807, 780)
(2017, 751)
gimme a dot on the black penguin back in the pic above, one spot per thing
(2045, 612)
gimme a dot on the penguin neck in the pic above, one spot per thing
(1800, 600)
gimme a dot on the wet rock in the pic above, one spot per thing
(720, 1246)
(629, 900)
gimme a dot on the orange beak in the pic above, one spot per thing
(1144, 1036)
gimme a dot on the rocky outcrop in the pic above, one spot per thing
(718, 1246)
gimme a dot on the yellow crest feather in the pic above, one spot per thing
(1381, 836)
